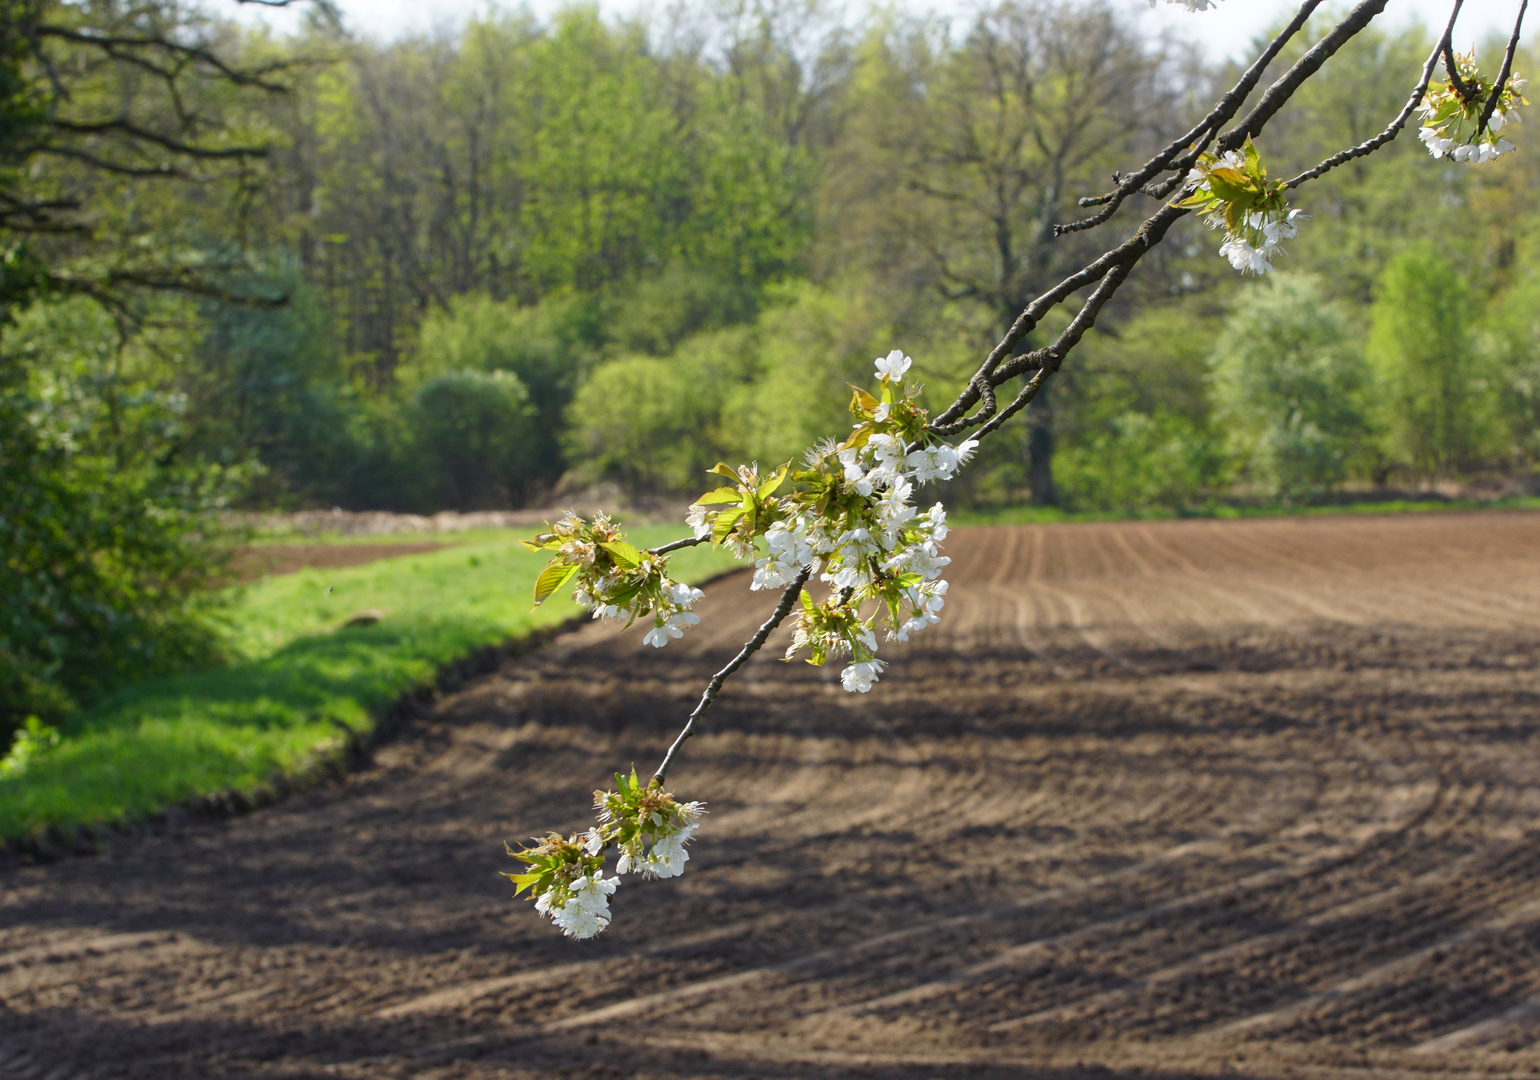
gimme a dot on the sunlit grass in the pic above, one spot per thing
(296, 684)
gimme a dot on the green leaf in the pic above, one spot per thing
(724, 523)
(552, 578)
(1235, 216)
(623, 595)
(523, 881)
(722, 468)
(1227, 190)
(1251, 157)
(776, 479)
(720, 495)
(623, 552)
(861, 403)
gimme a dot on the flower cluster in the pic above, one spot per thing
(614, 579)
(1235, 194)
(566, 875)
(1450, 121)
(850, 517)
(647, 825)
(566, 880)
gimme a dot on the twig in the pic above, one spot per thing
(788, 601)
(1396, 125)
(675, 545)
(1452, 69)
(1502, 75)
(1217, 116)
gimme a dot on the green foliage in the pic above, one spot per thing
(807, 350)
(478, 430)
(521, 162)
(296, 686)
(1289, 387)
(1509, 348)
(648, 422)
(265, 385)
(1133, 442)
(103, 544)
(33, 740)
(1436, 399)
(1139, 460)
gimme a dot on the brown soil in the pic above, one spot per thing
(1155, 800)
(269, 560)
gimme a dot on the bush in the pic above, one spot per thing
(477, 432)
(645, 422)
(1130, 442)
(1289, 384)
(1138, 460)
(1436, 401)
(104, 544)
(267, 386)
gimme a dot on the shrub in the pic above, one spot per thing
(1289, 385)
(104, 543)
(476, 430)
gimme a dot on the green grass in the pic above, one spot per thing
(291, 538)
(296, 686)
(1048, 515)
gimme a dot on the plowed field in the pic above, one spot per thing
(1192, 798)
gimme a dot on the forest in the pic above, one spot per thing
(524, 260)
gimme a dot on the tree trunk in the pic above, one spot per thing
(1040, 450)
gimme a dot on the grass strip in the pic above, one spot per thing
(296, 686)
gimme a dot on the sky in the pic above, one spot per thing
(1226, 32)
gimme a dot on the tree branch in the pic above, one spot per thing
(788, 601)
(176, 146)
(1502, 75)
(1396, 125)
(676, 545)
(1217, 116)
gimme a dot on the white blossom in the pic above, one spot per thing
(587, 910)
(855, 476)
(791, 541)
(696, 519)
(683, 595)
(1252, 251)
(893, 366)
(858, 678)
(941, 462)
(671, 627)
(1450, 138)
(937, 516)
(1245, 258)
(774, 573)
